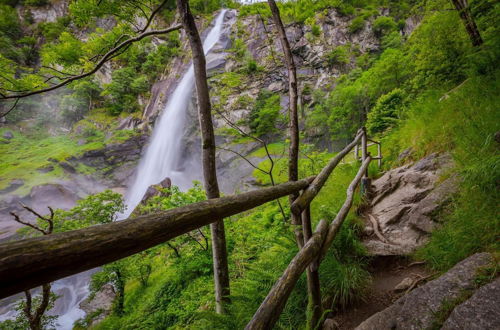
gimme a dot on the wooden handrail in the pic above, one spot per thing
(272, 306)
(344, 210)
(314, 188)
(28, 263)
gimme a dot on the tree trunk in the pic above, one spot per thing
(293, 153)
(463, 10)
(221, 272)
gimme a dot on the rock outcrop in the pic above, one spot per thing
(419, 309)
(99, 306)
(479, 312)
(405, 202)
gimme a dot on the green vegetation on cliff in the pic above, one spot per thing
(430, 91)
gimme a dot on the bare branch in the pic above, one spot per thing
(11, 108)
(246, 159)
(153, 14)
(18, 219)
(50, 220)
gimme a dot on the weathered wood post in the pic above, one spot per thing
(314, 309)
(379, 152)
(365, 181)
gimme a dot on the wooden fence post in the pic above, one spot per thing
(365, 181)
(379, 151)
(314, 308)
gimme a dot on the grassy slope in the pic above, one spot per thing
(31, 149)
(463, 124)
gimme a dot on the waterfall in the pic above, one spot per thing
(162, 155)
(160, 161)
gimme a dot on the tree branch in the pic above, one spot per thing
(109, 55)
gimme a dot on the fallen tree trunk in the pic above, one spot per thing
(28, 263)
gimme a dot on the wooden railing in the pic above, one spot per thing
(29, 263)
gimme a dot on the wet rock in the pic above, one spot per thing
(13, 185)
(405, 203)
(45, 169)
(8, 135)
(49, 12)
(407, 153)
(128, 123)
(479, 312)
(417, 309)
(101, 302)
(47, 194)
(330, 324)
(67, 167)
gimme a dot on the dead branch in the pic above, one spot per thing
(10, 109)
(49, 220)
(268, 155)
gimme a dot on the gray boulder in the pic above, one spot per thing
(417, 309)
(479, 312)
(405, 203)
(54, 195)
(8, 135)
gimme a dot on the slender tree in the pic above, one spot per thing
(221, 272)
(303, 224)
(470, 25)
(293, 152)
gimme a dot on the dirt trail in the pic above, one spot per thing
(387, 273)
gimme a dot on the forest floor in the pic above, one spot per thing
(387, 273)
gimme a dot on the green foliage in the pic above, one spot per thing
(385, 112)
(52, 30)
(76, 105)
(264, 116)
(123, 90)
(383, 25)
(170, 198)
(357, 24)
(439, 50)
(92, 210)
(66, 51)
(338, 56)
(25, 154)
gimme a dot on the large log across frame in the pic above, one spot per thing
(31, 262)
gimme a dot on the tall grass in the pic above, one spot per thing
(464, 123)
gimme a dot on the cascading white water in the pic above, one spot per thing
(160, 161)
(162, 155)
